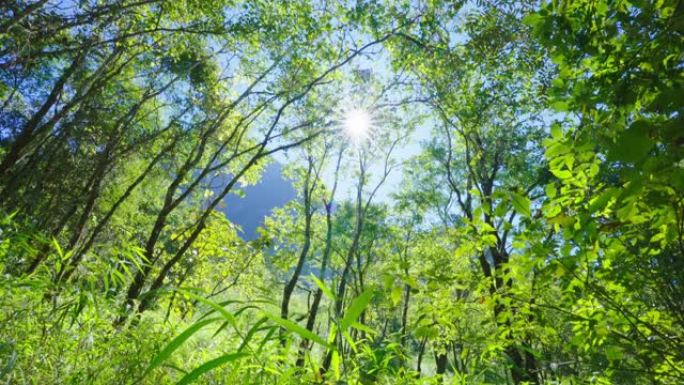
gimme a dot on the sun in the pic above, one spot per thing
(357, 123)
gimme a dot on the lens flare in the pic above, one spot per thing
(357, 123)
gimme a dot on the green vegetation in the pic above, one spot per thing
(488, 192)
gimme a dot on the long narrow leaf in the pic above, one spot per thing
(326, 290)
(174, 367)
(358, 305)
(177, 342)
(266, 338)
(222, 304)
(225, 313)
(250, 333)
(209, 365)
(237, 313)
(295, 328)
(363, 327)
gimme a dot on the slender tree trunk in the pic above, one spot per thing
(292, 283)
(421, 352)
(404, 316)
(27, 133)
(78, 255)
(407, 295)
(40, 134)
(201, 223)
(313, 312)
(135, 288)
(441, 362)
(523, 363)
(342, 287)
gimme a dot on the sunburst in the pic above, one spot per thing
(357, 124)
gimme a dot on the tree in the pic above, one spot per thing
(616, 194)
(489, 192)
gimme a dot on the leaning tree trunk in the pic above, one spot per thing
(313, 311)
(292, 283)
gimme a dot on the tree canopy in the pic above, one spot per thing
(487, 192)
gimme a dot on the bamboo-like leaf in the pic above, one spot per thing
(358, 305)
(266, 338)
(237, 313)
(242, 309)
(58, 249)
(134, 261)
(326, 290)
(174, 367)
(335, 363)
(332, 334)
(177, 342)
(250, 333)
(363, 327)
(225, 313)
(222, 304)
(220, 329)
(209, 365)
(295, 328)
(350, 340)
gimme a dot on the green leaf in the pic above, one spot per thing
(225, 313)
(600, 201)
(251, 332)
(335, 363)
(295, 328)
(268, 337)
(551, 190)
(488, 239)
(177, 342)
(58, 248)
(209, 365)
(613, 353)
(426, 331)
(326, 290)
(357, 306)
(533, 19)
(521, 204)
(632, 145)
(555, 149)
(601, 8)
(350, 340)
(363, 327)
(561, 174)
(396, 294)
(560, 105)
(174, 367)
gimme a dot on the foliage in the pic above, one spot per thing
(511, 211)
